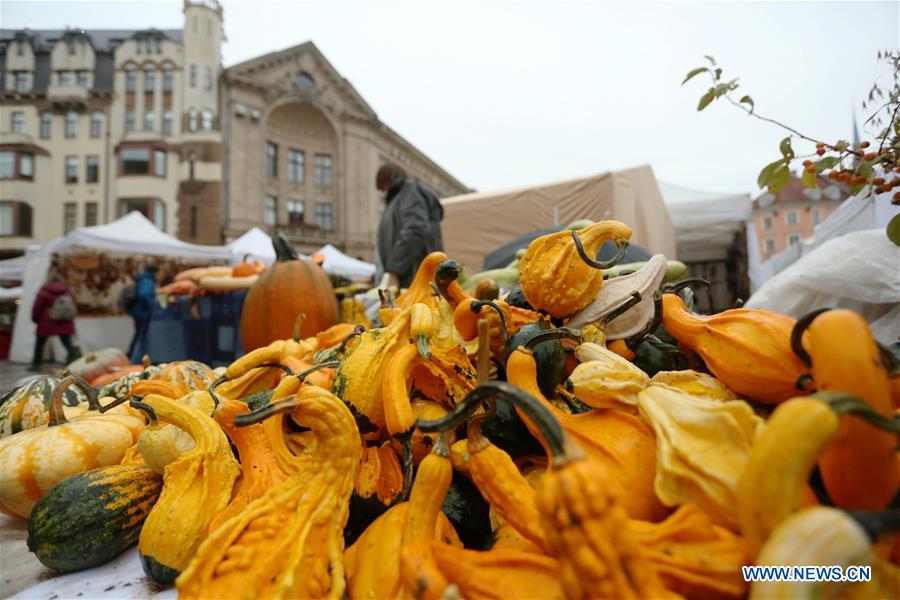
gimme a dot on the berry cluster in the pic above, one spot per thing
(852, 176)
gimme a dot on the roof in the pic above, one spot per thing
(795, 191)
(103, 40)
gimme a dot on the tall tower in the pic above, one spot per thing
(202, 55)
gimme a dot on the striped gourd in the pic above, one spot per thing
(88, 519)
(26, 406)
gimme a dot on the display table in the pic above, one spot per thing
(23, 576)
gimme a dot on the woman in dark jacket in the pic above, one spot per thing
(43, 314)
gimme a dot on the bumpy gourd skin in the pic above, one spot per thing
(553, 276)
(289, 542)
(201, 477)
(746, 349)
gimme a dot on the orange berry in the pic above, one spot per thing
(880, 190)
(810, 169)
(897, 197)
(878, 181)
(820, 151)
(869, 156)
(807, 162)
(864, 145)
(820, 145)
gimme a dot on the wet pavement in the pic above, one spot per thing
(11, 372)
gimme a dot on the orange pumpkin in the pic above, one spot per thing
(248, 267)
(289, 287)
(187, 375)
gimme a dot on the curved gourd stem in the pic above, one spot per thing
(876, 522)
(558, 333)
(224, 379)
(56, 414)
(89, 390)
(476, 439)
(632, 300)
(302, 375)
(632, 342)
(447, 272)
(357, 331)
(298, 325)
(264, 412)
(847, 404)
(147, 409)
(561, 451)
(476, 308)
(677, 286)
(799, 329)
(621, 248)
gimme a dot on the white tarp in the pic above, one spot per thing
(13, 293)
(134, 234)
(13, 268)
(705, 222)
(338, 263)
(256, 243)
(859, 270)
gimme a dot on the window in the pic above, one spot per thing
(18, 121)
(271, 211)
(92, 168)
(271, 160)
(323, 170)
(792, 217)
(82, 78)
(46, 125)
(192, 158)
(159, 163)
(193, 76)
(193, 221)
(71, 124)
(90, 214)
(304, 81)
(167, 79)
(135, 161)
(26, 165)
(152, 208)
(322, 215)
(130, 80)
(295, 210)
(767, 222)
(7, 165)
(209, 78)
(192, 120)
(65, 77)
(96, 123)
(129, 120)
(70, 214)
(295, 166)
(149, 120)
(207, 120)
(21, 81)
(793, 239)
(71, 169)
(167, 123)
(149, 80)
(770, 245)
(15, 219)
(816, 217)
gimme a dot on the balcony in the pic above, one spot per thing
(68, 95)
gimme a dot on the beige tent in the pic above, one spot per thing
(476, 224)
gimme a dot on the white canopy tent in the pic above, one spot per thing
(338, 263)
(705, 222)
(133, 234)
(256, 243)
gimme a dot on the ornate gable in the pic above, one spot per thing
(301, 70)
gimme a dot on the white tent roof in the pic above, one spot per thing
(13, 268)
(705, 222)
(135, 233)
(256, 243)
(346, 266)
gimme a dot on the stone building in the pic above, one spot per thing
(791, 215)
(94, 124)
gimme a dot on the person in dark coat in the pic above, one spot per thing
(141, 307)
(410, 227)
(59, 321)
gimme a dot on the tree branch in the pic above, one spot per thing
(890, 124)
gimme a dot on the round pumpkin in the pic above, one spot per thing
(26, 406)
(91, 366)
(187, 375)
(287, 288)
(247, 267)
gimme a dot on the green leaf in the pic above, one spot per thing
(826, 162)
(842, 145)
(893, 230)
(748, 100)
(718, 74)
(854, 190)
(706, 99)
(864, 168)
(763, 179)
(785, 147)
(808, 179)
(779, 179)
(710, 59)
(693, 74)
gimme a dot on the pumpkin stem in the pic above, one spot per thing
(558, 333)
(876, 522)
(842, 404)
(114, 403)
(621, 248)
(619, 310)
(799, 329)
(677, 286)
(632, 342)
(284, 251)
(483, 358)
(56, 414)
(145, 360)
(476, 308)
(476, 439)
(88, 389)
(146, 408)
(298, 325)
(447, 272)
(358, 330)
(333, 364)
(261, 414)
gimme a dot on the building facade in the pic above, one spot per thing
(791, 215)
(95, 124)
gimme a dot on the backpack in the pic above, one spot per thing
(63, 308)
(128, 297)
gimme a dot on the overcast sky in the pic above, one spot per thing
(504, 94)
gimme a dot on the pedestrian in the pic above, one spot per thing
(138, 302)
(54, 311)
(410, 227)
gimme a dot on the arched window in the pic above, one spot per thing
(304, 81)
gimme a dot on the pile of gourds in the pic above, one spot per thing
(485, 448)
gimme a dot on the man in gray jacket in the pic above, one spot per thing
(410, 227)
